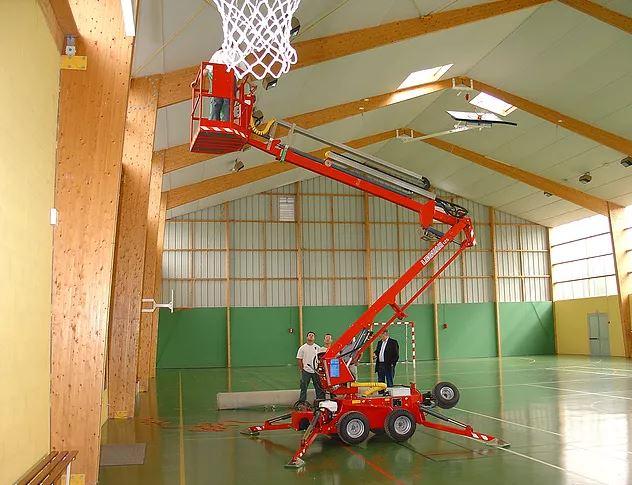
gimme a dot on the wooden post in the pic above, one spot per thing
(623, 267)
(149, 275)
(92, 108)
(551, 288)
(435, 311)
(226, 209)
(367, 264)
(492, 242)
(129, 256)
(299, 259)
(158, 283)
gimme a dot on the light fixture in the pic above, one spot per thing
(585, 178)
(548, 194)
(495, 105)
(128, 18)
(424, 76)
(295, 27)
(269, 82)
(237, 166)
(257, 117)
(626, 162)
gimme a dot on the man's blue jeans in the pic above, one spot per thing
(219, 109)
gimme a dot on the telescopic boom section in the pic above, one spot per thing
(394, 184)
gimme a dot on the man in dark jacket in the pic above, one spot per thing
(386, 356)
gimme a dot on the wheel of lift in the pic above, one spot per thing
(353, 428)
(400, 425)
(446, 395)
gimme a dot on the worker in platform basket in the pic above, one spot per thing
(220, 107)
(307, 357)
(386, 357)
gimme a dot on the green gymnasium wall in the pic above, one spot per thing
(195, 338)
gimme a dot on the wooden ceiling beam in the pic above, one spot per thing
(571, 194)
(602, 13)
(175, 86)
(602, 137)
(190, 193)
(178, 157)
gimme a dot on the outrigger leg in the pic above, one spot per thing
(308, 438)
(461, 429)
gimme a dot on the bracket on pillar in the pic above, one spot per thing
(71, 61)
(155, 305)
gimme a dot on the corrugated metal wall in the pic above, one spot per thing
(339, 265)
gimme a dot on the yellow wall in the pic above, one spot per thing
(29, 86)
(571, 324)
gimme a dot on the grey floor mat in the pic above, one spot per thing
(119, 455)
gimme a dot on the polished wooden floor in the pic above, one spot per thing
(567, 419)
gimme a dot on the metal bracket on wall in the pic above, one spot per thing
(71, 61)
(155, 305)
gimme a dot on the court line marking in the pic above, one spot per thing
(582, 392)
(509, 422)
(590, 372)
(595, 368)
(507, 450)
(543, 382)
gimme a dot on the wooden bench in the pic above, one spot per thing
(49, 469)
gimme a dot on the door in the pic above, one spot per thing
(598, 334)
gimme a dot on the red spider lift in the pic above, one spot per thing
(353, 409)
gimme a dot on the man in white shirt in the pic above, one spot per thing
(307, 357)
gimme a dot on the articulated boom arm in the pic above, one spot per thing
(396, 185)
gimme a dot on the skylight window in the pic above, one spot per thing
(495, 105)
(424, 76)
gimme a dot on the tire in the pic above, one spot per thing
(446, 395)
(353, 428)
(400, 425)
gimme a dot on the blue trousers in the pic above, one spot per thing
(385, 373)
(219, 109)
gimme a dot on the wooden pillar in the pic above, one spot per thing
(623, 267)
(149, 275)
(226, 208)
(299, 259)
(158, 282)
(129, 256)
(435, 310)
(92, 109)
(492, 242)
(367, 265)
(551, 287)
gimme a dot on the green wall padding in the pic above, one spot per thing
(527, 328)
(330, 319)
(261, 336)
(191, 338)
(423, 317)
(471, 330)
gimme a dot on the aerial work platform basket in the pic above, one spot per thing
(220, 110)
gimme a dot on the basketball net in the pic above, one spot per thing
(257, 36)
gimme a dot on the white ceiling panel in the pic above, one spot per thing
(553, 55)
